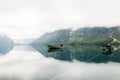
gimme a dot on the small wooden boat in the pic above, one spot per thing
(55, 46)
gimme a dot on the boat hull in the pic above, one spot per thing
(55, 47)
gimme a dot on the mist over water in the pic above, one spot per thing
(26, 21)
(25, 63)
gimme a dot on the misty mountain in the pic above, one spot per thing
(95, 35)
(56, 37)
(6, 44)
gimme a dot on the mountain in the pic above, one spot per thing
(115, 35)
(95, 35)
(6, 44)
(56, 37)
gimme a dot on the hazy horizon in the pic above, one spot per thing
(24, 19)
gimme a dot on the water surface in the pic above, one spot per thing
(72, 63)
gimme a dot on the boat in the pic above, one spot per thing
(55, 46)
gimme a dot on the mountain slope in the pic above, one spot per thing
(56, 37)
(95, 35)
(6, 44)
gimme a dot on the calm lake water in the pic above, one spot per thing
(24, 62)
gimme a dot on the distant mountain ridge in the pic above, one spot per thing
(95, 35)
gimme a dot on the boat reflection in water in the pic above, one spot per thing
(107, 49)
(53, 50)
(88, 53)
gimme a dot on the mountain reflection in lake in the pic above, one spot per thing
(87, 53)
(5, 48)
(72, 63)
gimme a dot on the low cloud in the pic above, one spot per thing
(18, 65)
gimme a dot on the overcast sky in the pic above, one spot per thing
(32, 18)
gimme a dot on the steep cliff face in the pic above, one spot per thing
(95, 35)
